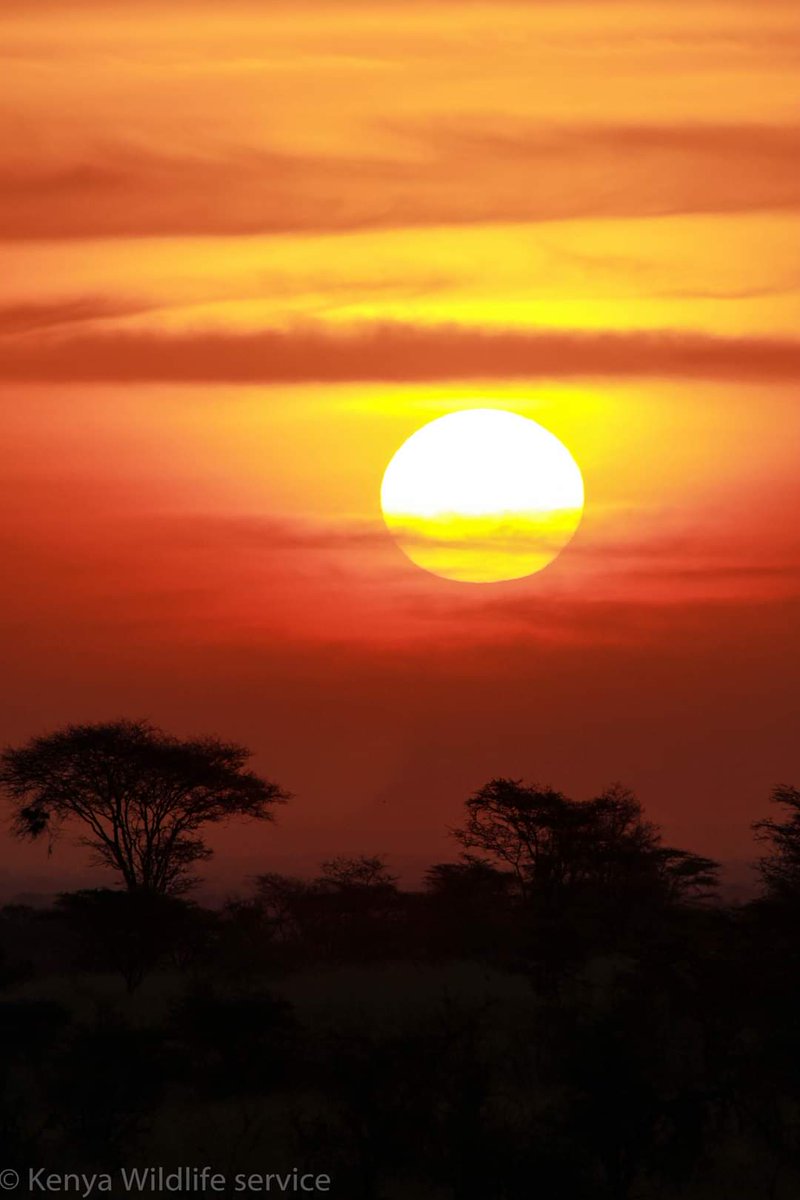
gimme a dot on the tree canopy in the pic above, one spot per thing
(780, 867)
(141, 796)
(552, 844)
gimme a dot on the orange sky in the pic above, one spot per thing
(248, 249)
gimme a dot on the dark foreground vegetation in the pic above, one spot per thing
(565, 1010)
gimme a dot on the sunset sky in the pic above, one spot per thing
(248, 249)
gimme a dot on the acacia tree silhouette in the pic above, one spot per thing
(780, 868)
(552, 844)
(141, 795)
(362, 871)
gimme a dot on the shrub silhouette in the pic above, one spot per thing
(132, 932)
(232, 1043)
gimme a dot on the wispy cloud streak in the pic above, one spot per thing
(529, 173)
(390, 352)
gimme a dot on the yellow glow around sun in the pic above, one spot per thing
(482, 495)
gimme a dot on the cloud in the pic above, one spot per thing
(264, 534)
(389, 352)
(527, 173)
(157, 595)
(27, 318)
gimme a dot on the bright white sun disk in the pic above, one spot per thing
(482, 495)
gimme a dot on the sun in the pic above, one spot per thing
(482, 495)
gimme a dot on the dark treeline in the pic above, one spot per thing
(566, 1008)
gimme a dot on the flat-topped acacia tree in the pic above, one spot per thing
(141, 796)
